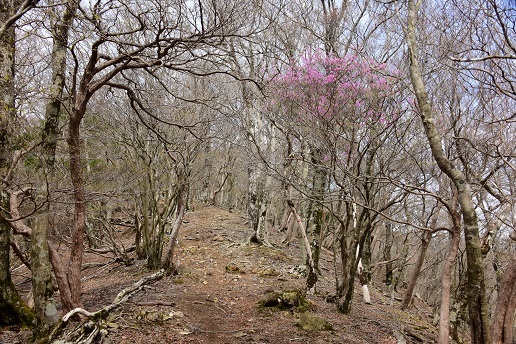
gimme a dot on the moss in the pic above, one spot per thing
(310, 322)
(291, 300)
(269, 252)
(268, 272)
(232, 268)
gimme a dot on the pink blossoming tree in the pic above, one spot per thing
(333, 89)
(342, 110)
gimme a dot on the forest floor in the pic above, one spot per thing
(216, 296)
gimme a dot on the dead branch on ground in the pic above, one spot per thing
(88, 330)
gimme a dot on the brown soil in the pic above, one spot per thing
(215, 296)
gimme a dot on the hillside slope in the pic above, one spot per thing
(215, 298)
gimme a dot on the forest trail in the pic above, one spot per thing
(215, 296)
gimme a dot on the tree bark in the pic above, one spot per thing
(257, 206)
(503, 319)
(73, 272)
(389, 239)
(363, 278)
(61, 278)
(167, 263)
(446, 278)
(317, 210)
(477, 304)
(80, 101)
(42, 286)
(12, 308)
(407, 297)
(311, 278)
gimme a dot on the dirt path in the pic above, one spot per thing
(214, 299)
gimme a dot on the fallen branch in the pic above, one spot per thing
(87, 331)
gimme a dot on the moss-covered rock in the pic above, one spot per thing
(310, 322)
(291, 300)
(233, 268)
(268, 272)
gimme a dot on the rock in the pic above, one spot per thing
(179, 314)
(268, 272)
(293, 300)
(310, 322)
(232, 268)
(218, 238)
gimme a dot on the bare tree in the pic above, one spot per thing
(478, 311)
(13, 309)
(163, 39)
(42, 281)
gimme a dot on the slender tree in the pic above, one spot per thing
(42, 282)
(13, 309)
(477, 304)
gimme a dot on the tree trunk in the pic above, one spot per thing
(317, 210)
(363, 278)
(477, 304)
(257, 206)
(407, 297)
(58, 63)
(61, 278)
(389, 239)
(311, 278)
(73, 272)
(42, 286)
(347, 260)
(12, 308)
(446, 278)
(167, 263)
(503, 320)
(138, 237)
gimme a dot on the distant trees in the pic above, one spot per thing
(179, 39)
(296, 113)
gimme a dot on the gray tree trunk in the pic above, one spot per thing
(502, 324)
(42, 286)
(389, 239)
(444, 312)
(167, 261)
(407, 297)
(477, 304)
(12, 308)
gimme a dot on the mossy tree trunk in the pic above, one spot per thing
(389, 240)
(362, 230)
(446, 278)
(320, 176)
(477, 304)
(12, 308)
(42, 286)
